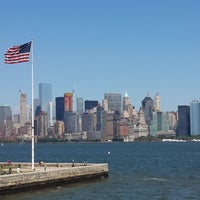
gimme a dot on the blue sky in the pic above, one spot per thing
(104, 46)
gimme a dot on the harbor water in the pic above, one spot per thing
(138, 170)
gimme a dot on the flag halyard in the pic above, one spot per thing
(18, 54)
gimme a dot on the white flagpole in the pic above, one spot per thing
(32, 123)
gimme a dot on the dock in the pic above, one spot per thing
(18, 177)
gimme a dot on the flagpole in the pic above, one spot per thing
(32, 118)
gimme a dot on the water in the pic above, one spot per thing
(143, 170)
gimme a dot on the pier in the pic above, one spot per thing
(17, 177)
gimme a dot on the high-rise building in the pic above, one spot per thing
(90, 105)
(157, 102)
(114, 102)
(100, 118)
(148, 107)
(37, 107)
(183, 127)
(159, 124)
(23, 114)
(68, 102)
(42, 124)
(195, 118)
(51, 113)
(127, 107)
(79, 104)
(71, 122)
(45, 95)
(6, 124)
(60, 108)
(5, 115)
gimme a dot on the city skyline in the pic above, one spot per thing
(94, 48)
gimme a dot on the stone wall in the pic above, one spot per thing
(52, 176)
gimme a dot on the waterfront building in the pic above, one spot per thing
(45, 95)
(23, 112)
(159, 124)
(60, 108)
(68, 102)
(59, 128)
(114, 102)
(80, 105)
(148, 107)
(172, 118)
(111, 129)
(183, 126)
(126, 129)
(195, 117)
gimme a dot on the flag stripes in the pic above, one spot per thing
(18, 54)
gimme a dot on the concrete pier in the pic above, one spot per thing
(24, 178)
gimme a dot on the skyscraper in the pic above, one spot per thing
(68, 102)
(23, 114)
(195, 118)
(127, 107)
(147, 107)
(183, 127)
(114, 101)
(5, 119)
(45, 95)
(157, 102)
(79, 104)
(51, 114)
(159, 123)
(60, 108)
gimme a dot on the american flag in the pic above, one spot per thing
(18, 54)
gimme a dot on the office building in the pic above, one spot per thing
(68, 102)
(60, 108)
(90, 105)
(45, 95)
(195, 118)
(183, 126)
(157, 103)
(80, 105)
(42, 123)
(114, 101)
(5, 115)
(127, 107)
(148, 107)
(23, 112)
(159, 124)
(51, 113)
(70, 122)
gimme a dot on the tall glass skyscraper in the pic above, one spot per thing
(45, 95)
(183, 128)
(195, 118)
(60, 108)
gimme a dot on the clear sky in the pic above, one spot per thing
(94, 47)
